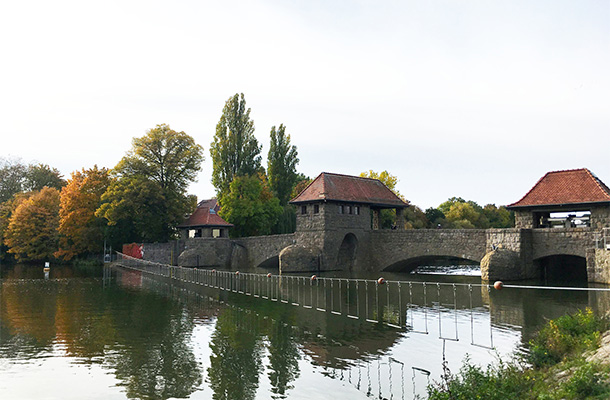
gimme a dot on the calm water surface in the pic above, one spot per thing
(113, 334)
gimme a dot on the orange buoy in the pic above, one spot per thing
(313, 277)
(381, 281)
(498, 285)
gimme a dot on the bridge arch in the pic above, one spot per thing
(271, 263)
(411, 264)
(562, 267)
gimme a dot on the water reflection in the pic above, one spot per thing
(159, 338)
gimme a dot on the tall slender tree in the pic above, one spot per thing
(281, 164)
(235, 151)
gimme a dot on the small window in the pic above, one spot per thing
(316, 208)
(215, 233)
(341, 210)
(303, 209)
(349, 209)
(356, 210)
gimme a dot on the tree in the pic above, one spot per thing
(281, 164)
(435, 217)
(234, 151)
(12, 178)
(463, 215)
(170, 158)
(148, 198)
(41, 175)
(387, 217)
(250, 206)
(32, 230)
(499, 217)
(137, 210)
(386, 178)
(80, 230)
(301, 184)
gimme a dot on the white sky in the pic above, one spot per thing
(476, 99)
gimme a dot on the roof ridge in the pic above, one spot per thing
(599, 183)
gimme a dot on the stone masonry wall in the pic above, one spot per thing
(262, 248)
(566, 241)
(390, 247)
(598, 265)
(164, 253)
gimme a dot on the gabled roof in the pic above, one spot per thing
(353, 189)
(205, 215)
(576, 186)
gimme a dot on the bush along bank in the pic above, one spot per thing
(569, 358)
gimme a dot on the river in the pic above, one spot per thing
(109, 333)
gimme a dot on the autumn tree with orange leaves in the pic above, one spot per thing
(32, 229)
(80, 231)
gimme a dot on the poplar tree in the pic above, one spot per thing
(235, 151)
(281, 164)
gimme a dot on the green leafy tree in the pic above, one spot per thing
(250, 206)
(38, 176)
(80, 230)
(137, 210)
(12, 178)
(499, 217)
(301, 184)
(387, 217)
(234, 151)
(169, 158)
(148, 198)
(463, 216)
(281, 164)
(435, 217)
(32, 230)
(415, 218)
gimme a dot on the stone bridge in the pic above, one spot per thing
(509, 254)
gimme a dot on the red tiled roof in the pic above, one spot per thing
(205, 215)
(574, 186)
(355, 189)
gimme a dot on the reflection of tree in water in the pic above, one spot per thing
(236, 356)
(156, 362)
(284, 357)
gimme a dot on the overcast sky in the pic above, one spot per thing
(476, 99)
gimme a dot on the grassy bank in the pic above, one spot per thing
(555, 367)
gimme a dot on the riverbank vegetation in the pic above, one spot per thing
(144, 197)
(559, 364)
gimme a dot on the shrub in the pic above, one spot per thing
(564, 336)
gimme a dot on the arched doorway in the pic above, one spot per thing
(347, 253)
(563, 268)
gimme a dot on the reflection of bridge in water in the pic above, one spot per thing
(368, 360)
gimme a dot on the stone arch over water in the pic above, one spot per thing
(272, 263)
(346, 258)
(411, 264)
(562, 267)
